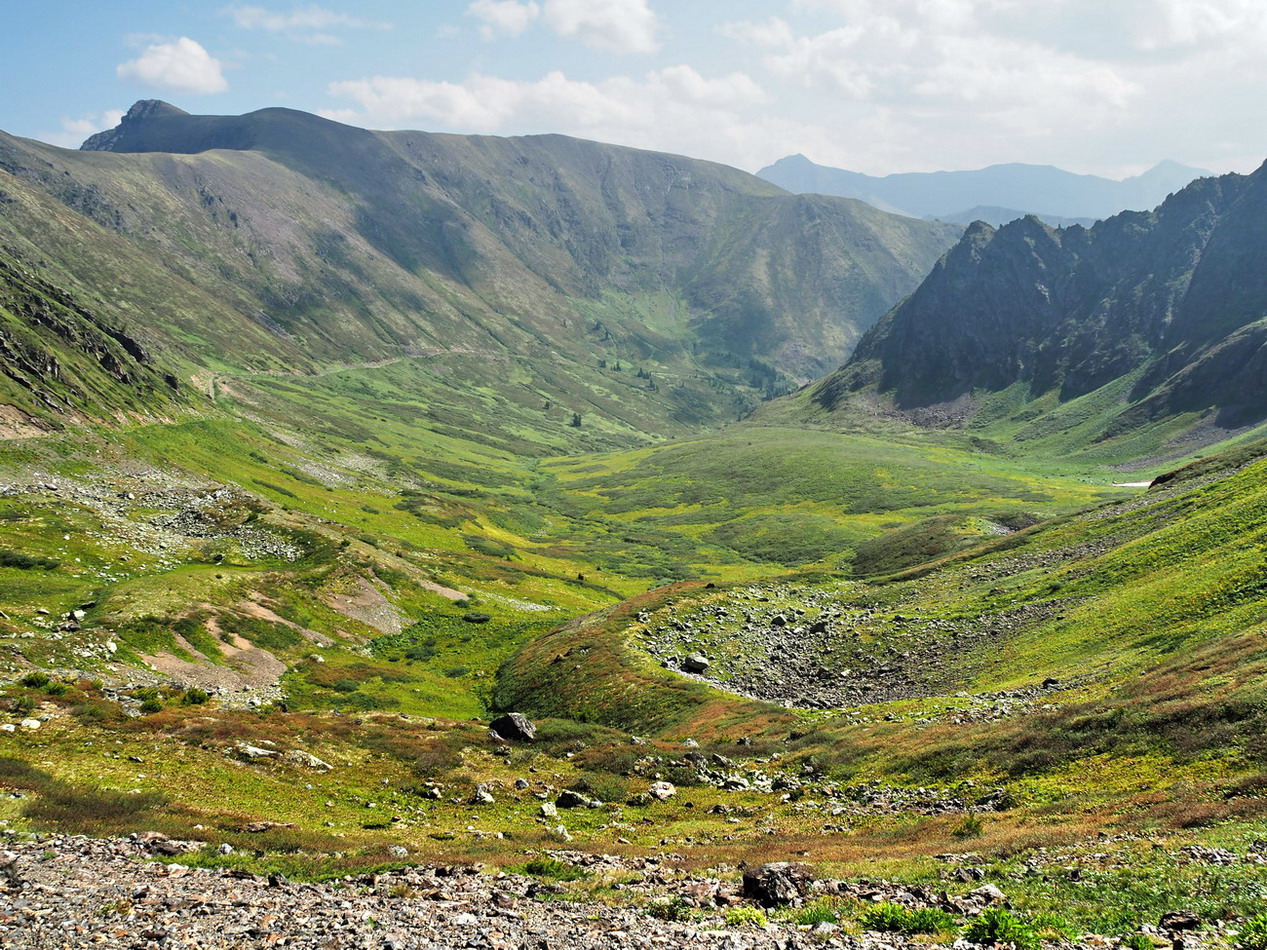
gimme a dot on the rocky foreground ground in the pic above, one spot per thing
(71, 892)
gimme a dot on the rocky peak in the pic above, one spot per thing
(142, 110)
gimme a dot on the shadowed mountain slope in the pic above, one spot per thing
(1160, 315)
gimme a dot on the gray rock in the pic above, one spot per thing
(696, 663)
(571, 799)
(514, 726)
(662, 791)
(777, 883)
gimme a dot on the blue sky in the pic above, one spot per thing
(1103, 86)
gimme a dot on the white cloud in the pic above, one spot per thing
(300, 18)
(1105, 86)
(503, 17)
(614, 26)
(181, 65)
(675, 109)
(73, 131)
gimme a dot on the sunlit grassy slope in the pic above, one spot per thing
(1149, 612)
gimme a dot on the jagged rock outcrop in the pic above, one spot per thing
(1168, 305)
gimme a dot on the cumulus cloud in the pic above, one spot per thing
(675, 109)
(614, 26)
(1028, 81)
(73, 131)
(503, 17)
(182, 65)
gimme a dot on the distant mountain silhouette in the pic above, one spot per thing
(1054, 195)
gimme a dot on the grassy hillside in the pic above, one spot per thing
(296, 497)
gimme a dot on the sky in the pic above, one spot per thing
(1106, 87)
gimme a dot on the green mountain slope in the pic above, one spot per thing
(279, 241)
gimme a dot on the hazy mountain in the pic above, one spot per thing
(1160, 314)
(1049, 192)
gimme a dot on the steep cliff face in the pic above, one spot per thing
(1166, 304)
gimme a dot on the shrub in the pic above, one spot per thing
(602, 785)
(1138, 942)
(151, 705)
(35, 680)
(80, 808)
(893, 918)
(997, 925)
(742, 916)
(1253, 934)
(886, 918)
(56, 689)
(823, 910)
(26, 562)
(674, 909)
(344, 686)
(970, 827)
(553, 869)
(195, 697)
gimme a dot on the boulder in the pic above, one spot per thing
(514, 726)
(777, 883)
(571, 799)
(662, 791)
(307, 760)
(696, 663)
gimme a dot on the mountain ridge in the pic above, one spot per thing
(293, 242)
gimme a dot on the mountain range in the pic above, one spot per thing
(279, 241)
(996, 195)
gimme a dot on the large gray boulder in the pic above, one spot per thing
(514, 726)
(777, 883)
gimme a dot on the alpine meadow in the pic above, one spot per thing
(424, 540)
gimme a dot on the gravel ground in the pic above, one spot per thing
(75, 892)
